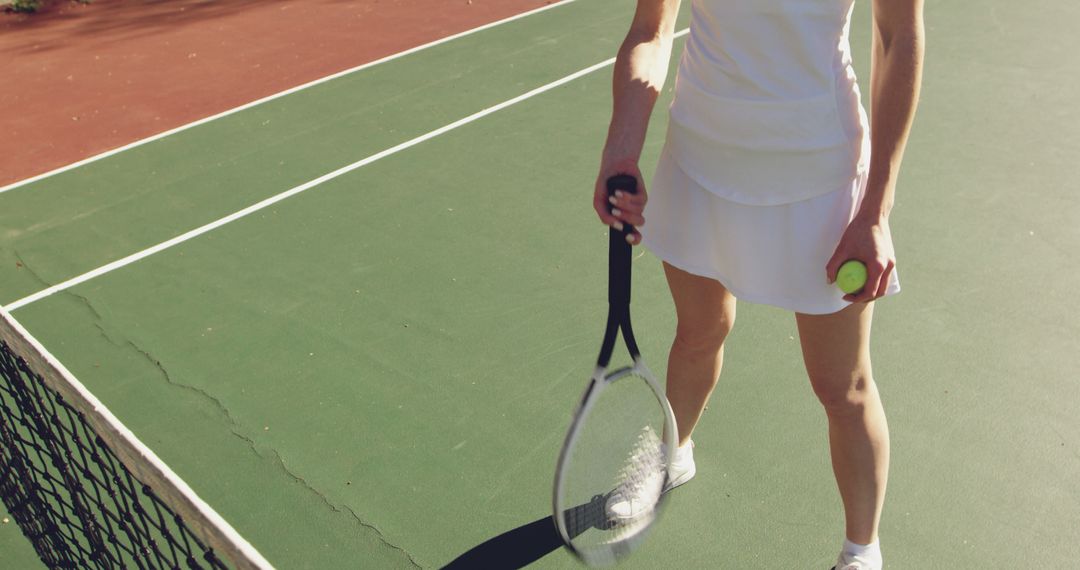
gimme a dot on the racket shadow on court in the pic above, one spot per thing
(526, 544)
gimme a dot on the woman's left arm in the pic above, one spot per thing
(895, 79)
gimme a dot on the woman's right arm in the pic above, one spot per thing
(640, 70)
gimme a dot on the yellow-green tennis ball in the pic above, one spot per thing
(851, 277)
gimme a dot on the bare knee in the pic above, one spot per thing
(843, 395)
(704, 334)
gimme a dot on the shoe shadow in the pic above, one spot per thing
(526, 544)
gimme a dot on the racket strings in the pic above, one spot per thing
(644, 463)
(614, 472)
(641, 480)
(636, 488)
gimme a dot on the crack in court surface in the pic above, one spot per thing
(369, 526)
(270, 454)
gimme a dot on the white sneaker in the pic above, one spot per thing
(634, 498)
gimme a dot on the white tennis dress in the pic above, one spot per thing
(767, 151)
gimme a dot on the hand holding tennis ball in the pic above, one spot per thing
(851, 277)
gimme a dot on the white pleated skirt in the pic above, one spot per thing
(773, 255)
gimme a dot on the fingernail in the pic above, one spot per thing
(617, 225)
(616, 212)
(618, 193)
(613, 200)
(630, 239)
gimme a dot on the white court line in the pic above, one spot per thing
(306, 186)
(181, 128)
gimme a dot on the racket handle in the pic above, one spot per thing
(626, 183)
(619, 250)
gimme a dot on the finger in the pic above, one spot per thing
(622, 207)
(637, 198)
(603, 213)
(628, 212)
(628, 217)
(613, 223)
(883, 287)
(620, 201)
(629, 207)
(833, 266)
(602, 206)
(868, 293)
(865, 295)
(624, 202)
(633, 238)
(861, 296)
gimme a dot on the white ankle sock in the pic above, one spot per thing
(683, 453)
(865, 553)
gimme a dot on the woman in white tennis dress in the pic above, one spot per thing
(765, 186)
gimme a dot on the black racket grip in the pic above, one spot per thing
(628, 184)
(619, 250)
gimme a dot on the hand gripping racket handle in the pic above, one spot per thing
(619, 251)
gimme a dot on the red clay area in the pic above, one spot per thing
(80, 79)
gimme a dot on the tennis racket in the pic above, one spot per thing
(612, 470)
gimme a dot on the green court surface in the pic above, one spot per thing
(378, 372)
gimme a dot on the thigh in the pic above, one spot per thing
(836, 349)
(704, 307)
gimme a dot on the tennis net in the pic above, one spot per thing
(83, 489)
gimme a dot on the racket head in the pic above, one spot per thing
(613, 466)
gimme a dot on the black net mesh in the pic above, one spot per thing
(71, 496)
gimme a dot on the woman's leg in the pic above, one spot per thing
(836, 350)
(706, 313)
